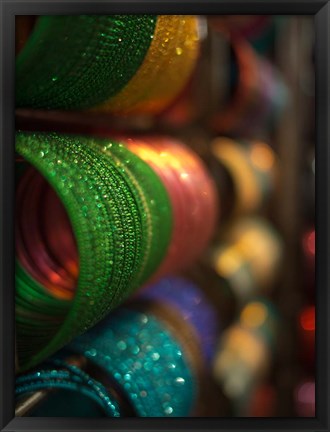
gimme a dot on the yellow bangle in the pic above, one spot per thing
(165, 70)
(247, 189)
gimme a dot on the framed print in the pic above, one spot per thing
(164, 215)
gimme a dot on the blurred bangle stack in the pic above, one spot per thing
(165, 224)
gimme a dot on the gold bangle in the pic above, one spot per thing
(165, 70)
(246, 186)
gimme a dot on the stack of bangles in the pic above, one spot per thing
(144, 366)
(94, 223)
(258, 97)
(107, 63)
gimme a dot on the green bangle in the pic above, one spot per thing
(121, 218)
(76, 62)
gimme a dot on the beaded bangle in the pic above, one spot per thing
(193, 306)
(193, 197)
(56, 374)
(121, 218)
(75, 62)
(174, 47)
(146, 361)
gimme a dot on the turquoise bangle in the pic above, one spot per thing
(122, 220)
(76, 62)
(146, 361)
(56, 374)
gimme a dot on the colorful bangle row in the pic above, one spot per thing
(193, 197)
(121, 218)
(74, 62)
(174, 47)
(146, 318)
(116, 63)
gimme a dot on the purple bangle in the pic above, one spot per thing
(195, 308)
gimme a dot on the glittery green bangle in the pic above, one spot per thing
(121, 218)
(156, 215)
(75, 62)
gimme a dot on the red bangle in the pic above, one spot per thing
(56, 270)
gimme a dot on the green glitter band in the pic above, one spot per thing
(122, 220)
(76, 62)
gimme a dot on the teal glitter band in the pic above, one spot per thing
(57, 374)
(146, 361)
(122, 220)
(76, 62)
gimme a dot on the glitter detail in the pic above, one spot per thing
(75, 62)
(154, 389)
(56, 374)
(115, 229)
(193, 197)
(164, 71)
(190, 301)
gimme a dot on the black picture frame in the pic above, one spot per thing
(8, 9)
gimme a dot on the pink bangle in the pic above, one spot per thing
(193, 197)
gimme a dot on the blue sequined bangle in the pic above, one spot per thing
(193, 306)
(56, 374)
(138, 352)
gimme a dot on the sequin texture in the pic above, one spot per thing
(146, 361)
(189, 300)
(75, 62)
(121, 239)
(165, 70)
